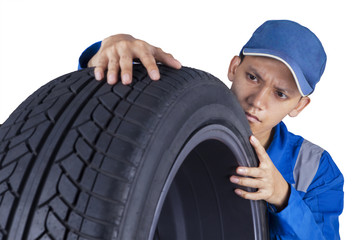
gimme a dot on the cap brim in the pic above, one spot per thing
(304, 88)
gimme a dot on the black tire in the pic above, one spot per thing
(80, 159)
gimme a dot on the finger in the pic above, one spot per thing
(99, 73)
(250, 172)
(259, 149)
(126, 69)
(247, 182)
(113, 71)
(250, 195)
(166, 59)
(149, 63)
(100, 67)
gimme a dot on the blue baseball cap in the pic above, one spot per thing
(294, 45)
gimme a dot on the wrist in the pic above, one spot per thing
(284, 198)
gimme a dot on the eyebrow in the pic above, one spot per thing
(284, 90)
(258, 75)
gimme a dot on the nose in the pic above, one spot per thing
(259, 98)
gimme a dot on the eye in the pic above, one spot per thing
(251, 77)
(281, 95)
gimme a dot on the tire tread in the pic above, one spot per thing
(88, 152)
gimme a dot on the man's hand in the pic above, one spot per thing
(271, 185)
(118, 52)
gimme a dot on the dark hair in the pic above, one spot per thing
(242, 56)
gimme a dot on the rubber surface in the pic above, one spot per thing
(80, 159)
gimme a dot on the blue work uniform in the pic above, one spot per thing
(316, 183)
(88, 54)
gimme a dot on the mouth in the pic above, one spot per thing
(252, 118)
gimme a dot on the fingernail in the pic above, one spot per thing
(234, 179)
(238, 192)
(179, 63)
(125, 79)
(154, 75)
(252, 139)
(111, 78)
(98, 75)
(240, 171)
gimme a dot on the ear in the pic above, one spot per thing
(304, 101)
(235, 62)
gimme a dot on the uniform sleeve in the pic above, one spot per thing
(314, 214)
(88, 54)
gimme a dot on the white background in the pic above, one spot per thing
(41, 40)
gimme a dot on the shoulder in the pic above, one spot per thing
(318, 157)
(313, 166)
(306, 150)
(316, 168)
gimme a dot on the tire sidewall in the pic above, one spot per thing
(196, 107)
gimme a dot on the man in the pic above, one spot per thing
(272, 77)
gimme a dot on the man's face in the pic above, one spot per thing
(266, 91)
